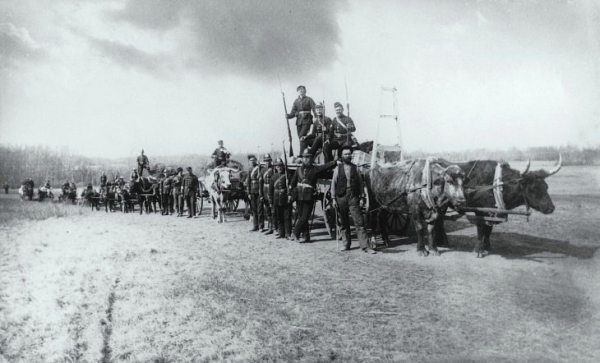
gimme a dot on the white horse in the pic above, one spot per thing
(217, 182)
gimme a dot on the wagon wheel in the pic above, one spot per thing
(398, 222)
(231, 204)
(329, 215)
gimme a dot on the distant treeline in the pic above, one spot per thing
(572, 155)
(58, 166)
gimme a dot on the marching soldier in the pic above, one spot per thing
(253, 185)
(167, 197)
(281, 201)
(303, 110)
(305, 180)
(176, 187)
(190, 189)
(143, 163)
(347, 188)
(319, 135)
(341, 131)
(221, 155)
(267, 174)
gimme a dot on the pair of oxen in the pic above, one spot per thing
(427, 187)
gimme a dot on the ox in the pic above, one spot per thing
(526, 188)
(424, 187)
(218, 181)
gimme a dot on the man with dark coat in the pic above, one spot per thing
(253, 189)
(6, 186)
(190, 186)
(221, 155)
(303, 110)
(281, 201)
(134, 175)
(103, 180)
(340, 133)
(305, 181)
(268, 173)
(143, 163)
(319, 135)
(347, 188)
(167, 197)
(176, 188)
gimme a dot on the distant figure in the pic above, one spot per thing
(103, 179)
(176, 189)
(253, 190)
(303, 110)
(190, 189)
(143, 163)
(221, 155)
(6, 186)
(134, 175)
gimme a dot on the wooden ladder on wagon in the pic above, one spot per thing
(393, 92)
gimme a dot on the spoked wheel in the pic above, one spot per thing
(398, 222)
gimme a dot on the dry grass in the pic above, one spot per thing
(113, 287)
(14, 210)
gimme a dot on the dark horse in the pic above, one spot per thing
(147, 193)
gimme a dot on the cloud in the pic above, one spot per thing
(128, 56)
(250, 37)
(16, 45)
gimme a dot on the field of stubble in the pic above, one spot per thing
(91, 286)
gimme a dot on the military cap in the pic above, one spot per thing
(279, 162)
(189, 168)
(267, 157)
(251, 157)
(337, 104)
(220, 142)
(320, 105)
(166, 171)
(134, 169)
(306, 153)
(179, 169)
(301, 86)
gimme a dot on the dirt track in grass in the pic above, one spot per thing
(113, 287)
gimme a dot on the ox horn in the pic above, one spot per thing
(556, 168)
(526, 167)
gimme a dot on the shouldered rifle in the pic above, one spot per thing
(285, 171)
(286, 119)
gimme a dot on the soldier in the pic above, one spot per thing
(319, 135)
(267, 174)
(303, 106)
(221, 155)
(143, 163)
(190, 189)
(305, 180)
(6, 186)
(167, 196)
(347, 188)
(253, 189)
(103, 179)
(341, 130)
(177, 195)
(134, 175)
(281, 201)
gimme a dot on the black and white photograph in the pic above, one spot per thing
(299, 181)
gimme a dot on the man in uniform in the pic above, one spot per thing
(267, 173)
(303, 110)
(103, 180)
(319, 135)
(305, 180)
(347, 188)
(253, 189)
(134, 175)
(341, 131)
(167, 197)
(221, 155)
(190, 189)
(6, 186)
(281, 201)
(143, 163)
(176, 187)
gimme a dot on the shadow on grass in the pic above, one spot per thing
(519, 246)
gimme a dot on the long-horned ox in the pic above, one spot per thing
(528, 188)
(424, 187)
(218, 181)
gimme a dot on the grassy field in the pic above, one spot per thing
(91, 286)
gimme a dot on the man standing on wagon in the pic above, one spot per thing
(348, 192)
(303, 110)
(143, 163)
(340, 133)
(305, 182)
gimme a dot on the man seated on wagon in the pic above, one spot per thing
(340, 133)
(319, 135)
(221, 155)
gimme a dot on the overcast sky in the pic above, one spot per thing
(106, 78)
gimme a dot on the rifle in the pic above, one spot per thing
(287, 182)
(286, 119)
(347, 109)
